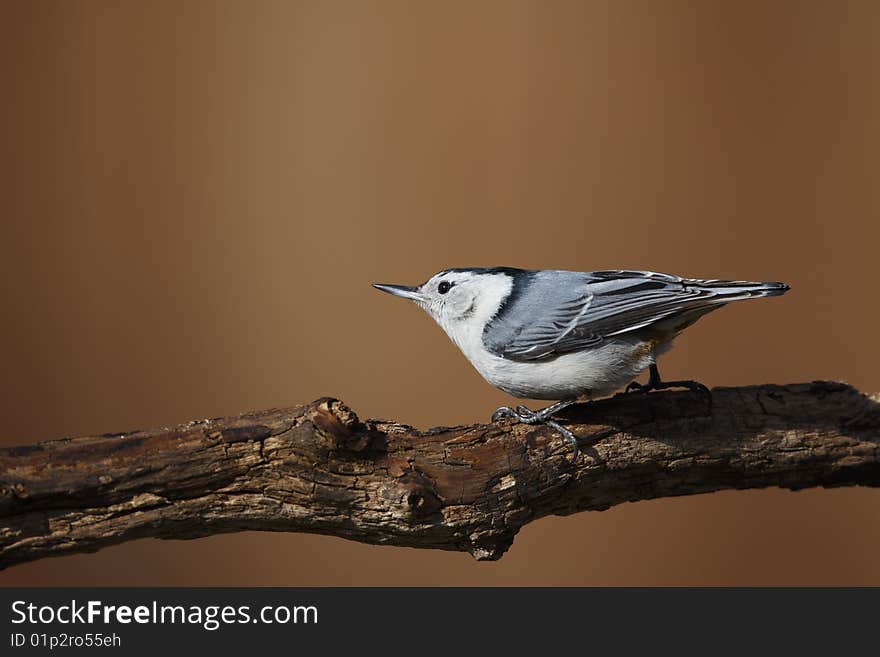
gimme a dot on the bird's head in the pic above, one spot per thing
(459, 296)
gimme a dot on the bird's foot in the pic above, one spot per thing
(528, 416)
(519, 414)
(695, 386)
(656, 383)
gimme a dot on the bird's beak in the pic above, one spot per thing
(404, 291)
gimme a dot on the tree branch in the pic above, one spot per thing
(317, 468)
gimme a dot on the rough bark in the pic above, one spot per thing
(318, 468)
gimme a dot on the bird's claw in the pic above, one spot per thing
(519, 414)
(504, 413)
(527, 416)
(658, 384)
(635, 386)
(694, 386)
(568, 435)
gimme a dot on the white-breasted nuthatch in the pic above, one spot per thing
(550, 334)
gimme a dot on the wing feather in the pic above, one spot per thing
(556, 312)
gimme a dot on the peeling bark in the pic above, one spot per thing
(318, 468)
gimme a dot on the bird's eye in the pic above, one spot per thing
(444, 287)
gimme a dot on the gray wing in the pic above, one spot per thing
(555, 312)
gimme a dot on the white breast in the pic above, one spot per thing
(598, 370)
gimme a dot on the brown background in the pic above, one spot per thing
(197, 195)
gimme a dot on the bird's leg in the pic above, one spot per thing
(528, 416)
(656, 383)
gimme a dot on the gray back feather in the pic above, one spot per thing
(555, 312)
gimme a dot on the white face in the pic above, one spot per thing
(450, 296)
(455, 297)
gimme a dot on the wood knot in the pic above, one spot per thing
(333, 420)
(419, 495)
(341, 429)
(336, 412)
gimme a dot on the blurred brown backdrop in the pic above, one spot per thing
(197, 195)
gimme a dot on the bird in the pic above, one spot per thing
(562, 335)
